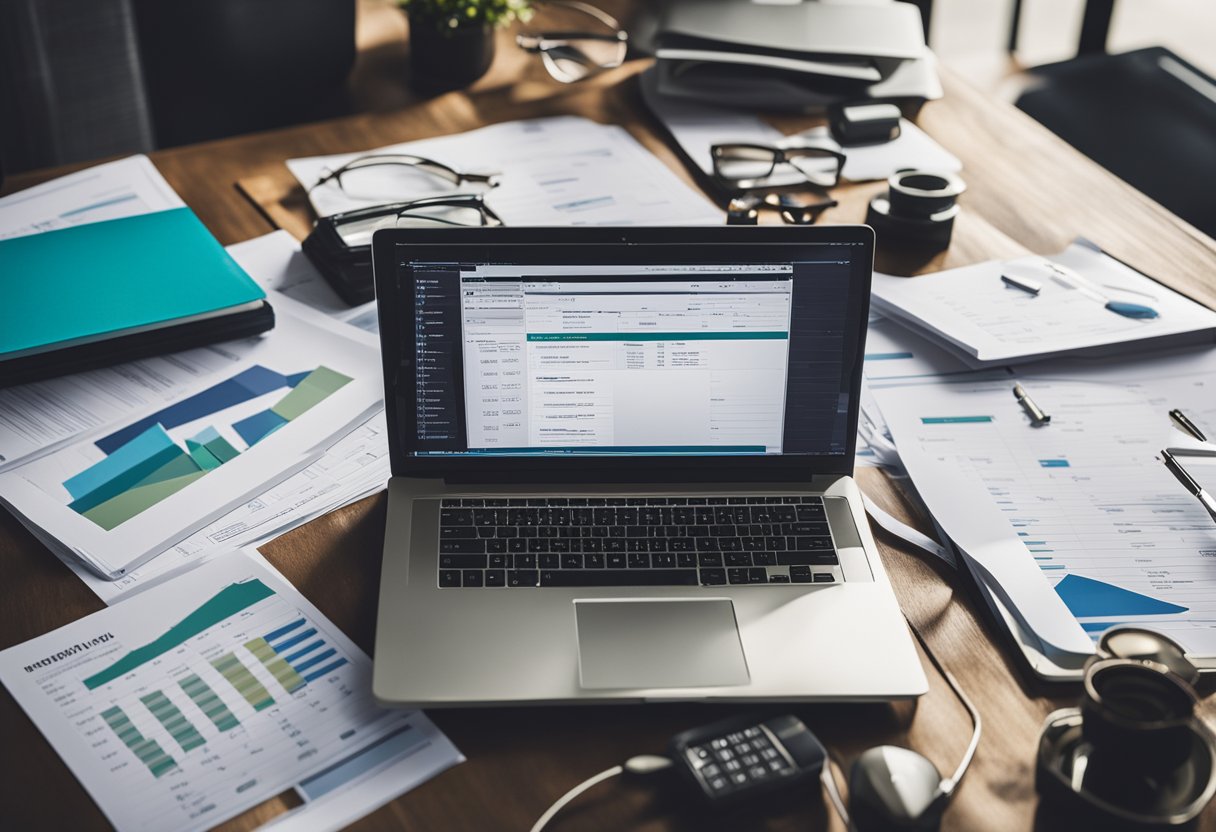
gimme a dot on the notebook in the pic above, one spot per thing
(119, 290)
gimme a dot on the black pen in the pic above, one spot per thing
(1037, 416)
(1186, 425)
(1188, 482)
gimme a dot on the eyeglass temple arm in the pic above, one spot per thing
(599, 14)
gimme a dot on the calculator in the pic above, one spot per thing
(741, 758)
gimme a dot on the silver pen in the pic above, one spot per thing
(1036, 414)
(1188, 482)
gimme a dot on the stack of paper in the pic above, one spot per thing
(117, 500)
(984, 312)
(61, 418)
(794, 57)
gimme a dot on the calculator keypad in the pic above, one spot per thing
(737, 760)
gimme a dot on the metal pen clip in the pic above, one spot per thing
(1036, 414)
(1186, 425)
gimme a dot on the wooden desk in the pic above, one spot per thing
(1027, 191)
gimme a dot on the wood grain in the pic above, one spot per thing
(1027, 192)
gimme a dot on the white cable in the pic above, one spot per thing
(641, 765)
(828, 776)
(948, 786)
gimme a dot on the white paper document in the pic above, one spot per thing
(990, 321)
(562, 170)
(1076, 523)
(38, 417)
(118, 499)
(895, 352)
(912, 148)
(204, 697)
(360, 785)
(124, 188)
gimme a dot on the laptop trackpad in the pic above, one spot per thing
(658, 643)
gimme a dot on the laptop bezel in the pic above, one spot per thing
(395, 308)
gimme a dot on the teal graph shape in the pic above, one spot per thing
(224, 604)
(1089, 598)
(175, 722)
(209, 702)
(148, 751)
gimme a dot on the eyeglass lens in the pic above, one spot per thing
(575, 58)
(574, 40)
(748, 163)
(358, 231)
(388, 178)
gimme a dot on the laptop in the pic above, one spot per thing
(621, 468)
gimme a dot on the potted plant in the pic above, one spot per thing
(452, 41)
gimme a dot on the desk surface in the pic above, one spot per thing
(1028, 191)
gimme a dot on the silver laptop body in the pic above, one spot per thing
(621, 469)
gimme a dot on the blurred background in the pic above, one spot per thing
(87, 79)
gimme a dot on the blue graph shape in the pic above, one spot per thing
(303, 651)
(325, 671)
(282, 631)
(315, 660)
(1088, 598)
(248, 384)
(253, 429)
(131, 462)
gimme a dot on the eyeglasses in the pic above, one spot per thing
(574, 54)
(745, 210)
(747, 165)
(391, 176)
(355, 228)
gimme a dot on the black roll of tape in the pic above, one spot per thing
(917, 211)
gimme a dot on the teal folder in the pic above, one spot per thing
(112, 291)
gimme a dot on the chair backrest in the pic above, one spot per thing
(70, 83)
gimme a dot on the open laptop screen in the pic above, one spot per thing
(639, 359)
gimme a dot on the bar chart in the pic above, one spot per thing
(214, 700)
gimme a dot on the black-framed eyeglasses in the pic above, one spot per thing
(355, 228)
(574, 54)
(745, 210)
(748, 165)
(391, 176)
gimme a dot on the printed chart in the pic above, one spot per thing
(145, 463)
(1084, 501)
(177, 721)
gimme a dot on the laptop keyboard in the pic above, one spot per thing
(634, 541)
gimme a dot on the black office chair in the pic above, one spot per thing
(1147, 116)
